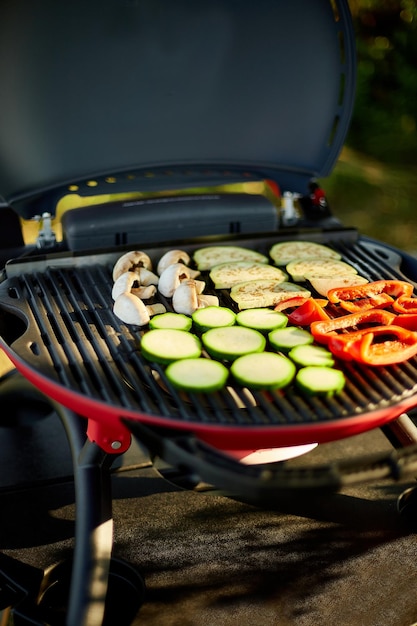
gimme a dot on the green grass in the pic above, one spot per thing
(377, 198)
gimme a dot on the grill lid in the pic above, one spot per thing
(96, 88)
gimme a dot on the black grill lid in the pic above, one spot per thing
(92, 88)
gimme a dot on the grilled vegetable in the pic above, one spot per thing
(311, 355)
(299, 269)
(320, 380)
(380, 345)
(171, 320)
(286, 338)
(378, 294)
(197, 375)
(307, 313)
(324, 330)
(206, 258)
(264, 293)
(285, 252)
(213, 317)
(225, 275)
(167, 345)
(230, 342)
(263, 319)
(263, 371)
(323, 284)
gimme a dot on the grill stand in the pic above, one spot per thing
(93, 585)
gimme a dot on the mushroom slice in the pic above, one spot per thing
(132, 310)
(146, 277)
(170, 257)
(130, 261)
(129, 282)
(206, 299)
(185, 297)
(173, 276)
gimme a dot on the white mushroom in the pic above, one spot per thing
(145, 276)
(170, 257)
(131, 261)
(132, 310)
(129, 282)
(187, 298)
(173, 276)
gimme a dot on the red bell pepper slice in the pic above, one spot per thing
(407, 320)
(323, 330)
(394, 288)
(291, 303)
(364, 304)
(381, 345)
(310, 311)
(405, 304)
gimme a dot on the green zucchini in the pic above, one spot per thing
(230, 342)
(212, 317)
(171, 320)
(311, 355)
(263, 371)
(261, 319)
(289, 337)
(164, 345)
(317, 380)
(197, 375)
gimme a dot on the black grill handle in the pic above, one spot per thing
(203, 463)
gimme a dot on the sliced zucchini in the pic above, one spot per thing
(255, 294)
(263, 371)
(287, 338)
(262, 319)
(311, 355)
(225, 275)
(206, 258)
(300, 268)
(230, 342)
(320, 380)
(323, 284)
(213, 317)
(286, 251)
(171, 320)
(164, 345)
(197, 375)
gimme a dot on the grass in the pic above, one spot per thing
(377, 198)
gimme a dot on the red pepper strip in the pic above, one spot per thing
(374, 302)
(407, 320)
(393, 288)
(322, 331)
(309, 312)
(363, 346)
(290, 303)
(405, 304)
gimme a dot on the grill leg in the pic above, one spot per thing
(401, 432)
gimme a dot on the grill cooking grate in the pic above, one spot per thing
(74, 339)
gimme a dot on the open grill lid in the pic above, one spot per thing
(152, 94)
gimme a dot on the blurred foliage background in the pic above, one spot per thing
(374, 183)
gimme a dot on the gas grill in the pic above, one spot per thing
(145, 101)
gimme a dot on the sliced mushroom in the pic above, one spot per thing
(207, 300)
(130, 261)
(172, 276)
(170, 257)
(132, 310)
(129, 282)
(146, 277)
(185, 297)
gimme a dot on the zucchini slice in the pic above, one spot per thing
(170, 320)
(299, 269)
(164, 345)
(197, 375)
(289, 337)
(311, 355)
(213, 317)
(225, 275)
(262, 319)
(263, 371)
(230, 342)
(255, 294)
(286, 251)
(206, 258)
(316, 380)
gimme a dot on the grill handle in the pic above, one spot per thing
(260, 483)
